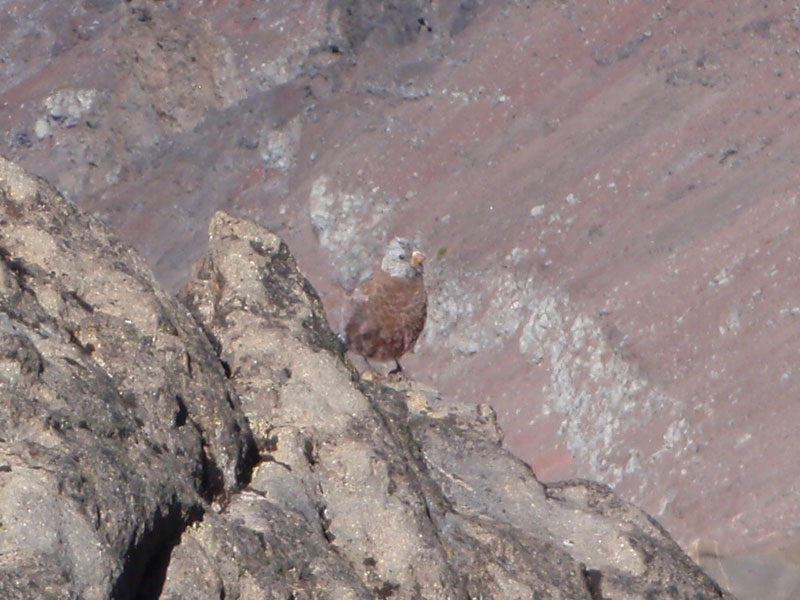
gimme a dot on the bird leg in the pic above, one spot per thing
(397, 369)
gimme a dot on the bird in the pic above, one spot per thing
(388, 310)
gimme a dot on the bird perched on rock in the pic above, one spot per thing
(389, 308)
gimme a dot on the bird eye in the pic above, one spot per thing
(402, 256)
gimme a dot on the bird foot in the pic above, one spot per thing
(397, 370)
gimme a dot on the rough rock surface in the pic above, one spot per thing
(117, 419)
(137, 464)
(606, 190)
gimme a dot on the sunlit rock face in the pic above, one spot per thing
(225, 447)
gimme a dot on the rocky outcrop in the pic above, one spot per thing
(605, 190)
(234, 453)
(118, 422)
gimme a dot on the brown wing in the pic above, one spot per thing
(388, 316)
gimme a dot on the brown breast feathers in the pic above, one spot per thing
(388, 316)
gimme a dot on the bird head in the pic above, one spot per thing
(402, 259)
